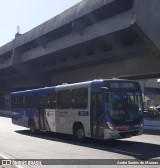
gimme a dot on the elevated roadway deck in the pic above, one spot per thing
(93, 39)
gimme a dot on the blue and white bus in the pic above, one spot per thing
(105, 109)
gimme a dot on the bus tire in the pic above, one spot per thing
(79, 133)
(32, 127)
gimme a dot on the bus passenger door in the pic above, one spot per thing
(41, 112)
(97, 115)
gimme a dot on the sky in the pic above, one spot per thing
(27, 14)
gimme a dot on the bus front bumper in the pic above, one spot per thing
(115, 134)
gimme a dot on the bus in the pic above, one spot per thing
(103, 109)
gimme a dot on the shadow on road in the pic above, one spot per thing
(138, 150)
(151, 132)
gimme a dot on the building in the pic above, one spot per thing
(151, 92)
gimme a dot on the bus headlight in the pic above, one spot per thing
(110, 126)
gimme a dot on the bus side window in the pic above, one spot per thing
(51, 100)
(79, 98)
(64, 99)
(14, 101)
(27, 101)
(30, 101)
(42, 101)
(20, 101)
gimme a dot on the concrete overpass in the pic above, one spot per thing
(93, 39)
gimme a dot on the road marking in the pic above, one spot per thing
(4, 157)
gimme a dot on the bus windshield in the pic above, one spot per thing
(125, 107)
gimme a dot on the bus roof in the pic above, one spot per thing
(66, 85)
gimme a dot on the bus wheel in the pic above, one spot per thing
(79, 133)
(32, 127)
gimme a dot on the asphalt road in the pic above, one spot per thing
(18, 143)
